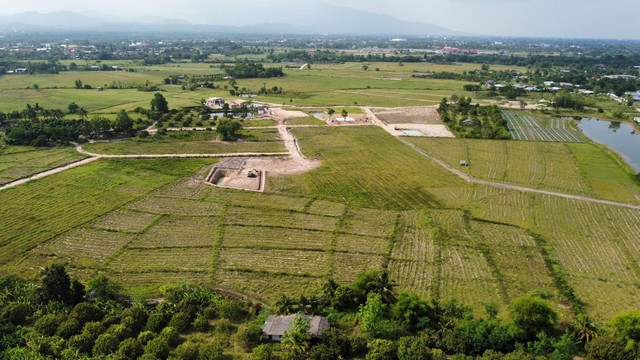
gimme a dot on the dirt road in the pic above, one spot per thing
(47, 173)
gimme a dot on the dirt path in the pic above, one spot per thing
(468, 178)
(47, 173)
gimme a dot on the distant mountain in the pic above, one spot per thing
(301, 19)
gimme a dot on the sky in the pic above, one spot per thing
(546, 18)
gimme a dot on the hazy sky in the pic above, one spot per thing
(558, 18)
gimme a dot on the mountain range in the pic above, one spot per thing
(306, 19)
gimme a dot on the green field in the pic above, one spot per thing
(574, 168)
(373, 204)
(192, 142)
(18, 162)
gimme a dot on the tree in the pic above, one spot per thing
(102, 288)
(82, 112)
(56, 285)
(228, 129)
(626, 327)
(381, 349)
(78, 84)
(344, 113)
(532, 315)
(331, 112)
(100, 125)
(414, 348)
(123, 123)
(159, 104)
(73, 108)
(584, 328)
(371, 313)
(296, 341)
(629, 100)
(365, 67)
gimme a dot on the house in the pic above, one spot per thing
(549, 83)
(21, 71)
(214, 102)
(275, 326)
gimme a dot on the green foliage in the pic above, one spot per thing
(371, 313)
(626, 326)
(250, 69)
(607, 347)
(17, 313)
(532, 315)
(48, 324)
(159, 104)
(171, 335)
(263, 352)
(180, 321)
(188, 351)
(103, 289)
(156, 322)
(232, 309)
(56, 285)
(105, 344)
(145, 336)
(86, 312)
(412, 311)
(228, 129)
(129, 349)
(201, 323)
(249, 336)
(295, 342)
(211, 351)
(158, 347)
(69, 328)
(414, 348)
(380, 349)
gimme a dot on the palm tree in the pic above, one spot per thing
(83, 113)
(384, 286)
(285, 305)
(584, 328)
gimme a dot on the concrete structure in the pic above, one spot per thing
(214, 102)
(275, 326)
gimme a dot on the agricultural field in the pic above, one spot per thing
(574, 168)
(527, 127)
(192, 142)
(18, 162)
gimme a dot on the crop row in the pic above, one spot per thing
(125, 221)
(175, 206)
(271, 237)
(278, 218)
(179, 231)
(528, 128)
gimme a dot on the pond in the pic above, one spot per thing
(622, 138)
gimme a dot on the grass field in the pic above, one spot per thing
(575, 168)
(17, 162)
(192, 142)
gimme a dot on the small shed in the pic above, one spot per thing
(275, 326)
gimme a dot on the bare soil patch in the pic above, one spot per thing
(409, 115)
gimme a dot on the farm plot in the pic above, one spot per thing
(517, 257)
(347, 266)
(175, 206)
(526, 127)
(257, 237)
(576, 168)
(124, 221)
(364, 244)
(83, 247)
(256, 200)
(147, 284)
(326, 208)
(188, 188)
(178, 231)
(363, 173)
(369, 222)
(36, 212)
(279, 218)
(276, 261)
(159, 261)
(21, 161)
(413, 259)
(267, 286)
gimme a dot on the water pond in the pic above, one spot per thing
(622, 138)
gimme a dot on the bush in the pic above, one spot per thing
(145, 336)
(180, 321)
(158, 347)
(83, 342)
(93, 329)
(138, 315)
(211, 351)
(249, 336)
(48, 324)
(171, 335)
(69, 328)
(105, 344)
(224, 327)
(211, 312)
(201, 323)
(85, 312)
(130, 349)
(187, 351)
(233, 310)
(120, 331)
(156, 322)
(18, 313)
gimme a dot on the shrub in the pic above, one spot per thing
(85, 312)
(69, 328)
(211, 351)
(145, 336)
(233, 310)
(18, 313)
(48, 324)
(171, 335)
(83, 342)
(130, 349)
(120, 331)
(158, 347)
(105, 344)
(211, 312)
(156, 322)
(187, 351)
(180, 321)
(201, 323)
(249, 336)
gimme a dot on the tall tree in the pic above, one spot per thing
(159, 104)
